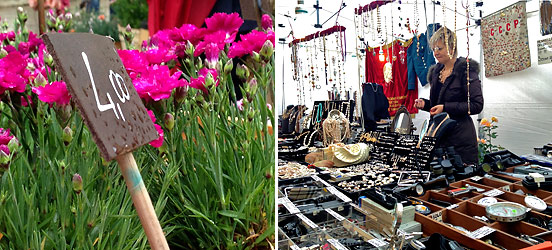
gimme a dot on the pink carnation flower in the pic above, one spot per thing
(134, 61)
(188, 32)
(5, 136)
(159, 55)
(266, 22)
(13, 72)
(253, 41)
(211, 45)
(54, 92)
(156, 83)
(162, 40)
(159, 141)
(228, 23)
(199, 82)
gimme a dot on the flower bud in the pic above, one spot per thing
(3, 53)
(31, 66)
(180, 94)
(77, 183)
(4, 158)
(40, 80)
(267, 50)
(256, 57)
(13, 145)
(128, 35)
(218, 66)
(250, 116)
(169, 121)
(48, 59)
(68, 16)
(21, 16)
(67, 135)
(242, 72)
(190, 49)
(228, 66)
(209, 81)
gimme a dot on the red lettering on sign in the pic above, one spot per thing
(499, 29)
(516, 23)
(492, 32)
(508, 26)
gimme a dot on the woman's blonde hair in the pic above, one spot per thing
(440, 34)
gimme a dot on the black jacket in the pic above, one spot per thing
(453, 95)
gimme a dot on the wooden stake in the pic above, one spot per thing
(41, 21)
(142, 201)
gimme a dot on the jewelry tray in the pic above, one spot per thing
(465, 207)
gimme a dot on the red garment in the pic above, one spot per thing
(396, 90)
(164, 14)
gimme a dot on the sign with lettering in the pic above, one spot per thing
(112, 110)
(481, 232)
(288, 205)
(377, 242)
(544, 47)
(438, 216)
(335, 243)
(102, 90)
(493, 193)
(334, 214)
(307, 221)
(505, 40)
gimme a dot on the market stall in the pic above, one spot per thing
(362, 165)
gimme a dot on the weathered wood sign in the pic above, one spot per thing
(112, 110)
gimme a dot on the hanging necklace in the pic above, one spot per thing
(372, 26)
(445, 25)
(325, 60)
(379, 22)
(416, 18)
(454, 37)
(337, 34)
(468, 54)
(310, 67)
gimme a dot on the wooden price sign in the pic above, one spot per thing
(112, 110)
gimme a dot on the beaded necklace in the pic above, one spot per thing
(325, 59)
(468, 54)
(445, 31)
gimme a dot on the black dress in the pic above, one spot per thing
(453, 95)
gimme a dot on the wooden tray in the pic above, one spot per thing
(465, 207)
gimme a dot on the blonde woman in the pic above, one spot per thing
(449, 93)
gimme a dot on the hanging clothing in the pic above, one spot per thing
(431, 28)
(169, 14)
(374, 105)
(452, 94)
(396, 90)
(420, 58)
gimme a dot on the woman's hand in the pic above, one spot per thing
(419, 103)
(436, 109)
